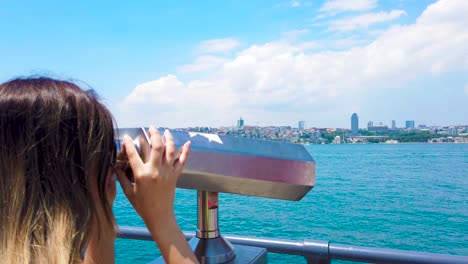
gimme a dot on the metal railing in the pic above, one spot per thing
(317, 252)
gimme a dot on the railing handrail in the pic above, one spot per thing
(315, 249)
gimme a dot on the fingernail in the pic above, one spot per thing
(152, 128)
(166, 131)
(187, 144)
(127, 138)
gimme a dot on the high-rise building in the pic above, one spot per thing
(452, 131)
(370, 124)
(393, 124)
(354, 124)
(409, 124)
(301, 125)
(240, 123)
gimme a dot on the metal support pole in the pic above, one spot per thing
(208, 244)
(207, 214)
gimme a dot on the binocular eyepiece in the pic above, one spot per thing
(142, 144)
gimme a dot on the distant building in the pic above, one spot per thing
(452, 131)
(337, 140)
(376, 126)
(301, 125)
(240, 123)
(409, 124)
(379, 128)
(393, 124)
(354, 124)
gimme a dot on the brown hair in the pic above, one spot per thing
(56, 146)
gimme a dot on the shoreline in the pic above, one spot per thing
(383, 143)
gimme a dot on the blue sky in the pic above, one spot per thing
(190, 63)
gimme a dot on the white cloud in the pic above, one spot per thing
(170, 91)
(279, 80)
(337, 6)
(347, 43)
(364, 21)
(202, 63)
(295, 4)
(466, 89)
(308, 45)
(218, 45)
(164, 90)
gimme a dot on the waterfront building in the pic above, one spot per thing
(379, 128)
(452, 131)
(433, 130)
(370, 124)
(393, 124)
(409, 124)
(354, 124)
(301, 125)
(337, 140)
(240, 123)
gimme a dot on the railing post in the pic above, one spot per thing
(316, 252)
(312, 260)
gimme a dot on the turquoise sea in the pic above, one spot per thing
(405, 196)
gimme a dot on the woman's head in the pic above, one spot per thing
(56, 147)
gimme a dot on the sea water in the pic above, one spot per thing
(404, 196)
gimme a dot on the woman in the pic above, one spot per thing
(56, 189)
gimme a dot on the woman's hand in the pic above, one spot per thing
(152, 196)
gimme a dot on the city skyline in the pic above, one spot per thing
(301, 124)
(272, 62)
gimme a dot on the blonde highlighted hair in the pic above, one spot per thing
(56, 146)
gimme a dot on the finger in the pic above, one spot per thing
(122, 153)
(170, 148)
(157, 146)
(180, 163)
(126, 185)
(132, 153)
(177, 156)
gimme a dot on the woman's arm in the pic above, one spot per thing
(153, 193)
(171, 241)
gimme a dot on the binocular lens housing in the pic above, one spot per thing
(232, 165)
